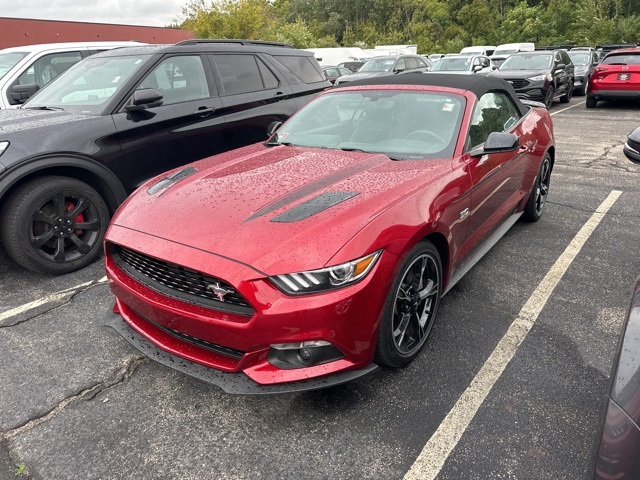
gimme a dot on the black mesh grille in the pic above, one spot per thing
(180, 282)
(518, 82)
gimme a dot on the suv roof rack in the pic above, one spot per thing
(553, 47)
(236, 42)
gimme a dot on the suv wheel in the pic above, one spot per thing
(591, 102)
(568, 93)
(54, 225)
(548, 98)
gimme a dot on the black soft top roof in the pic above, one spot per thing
(476, 84)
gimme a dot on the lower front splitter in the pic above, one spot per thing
(234, 383)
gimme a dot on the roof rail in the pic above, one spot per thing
(236, 42)
(616, 46)
(554, 47)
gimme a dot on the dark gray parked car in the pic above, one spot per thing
(115, 119)
(389, 65)
(584, 60)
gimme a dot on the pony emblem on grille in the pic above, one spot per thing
(218, 291)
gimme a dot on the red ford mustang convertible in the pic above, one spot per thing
(310, 259)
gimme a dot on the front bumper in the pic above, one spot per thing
(234, 383)
(347, 318)
(535, 91)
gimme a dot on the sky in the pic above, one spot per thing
(156, 13)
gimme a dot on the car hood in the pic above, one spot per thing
(279, 208)
(518, 73)
(18, 120)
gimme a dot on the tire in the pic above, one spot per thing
(54, 225)
(548, 98)
(411, 307)
(539, 192)
(591, 102)
(566, 98)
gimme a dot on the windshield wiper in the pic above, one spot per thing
(43, 108)
(276, 143)
(350, 149)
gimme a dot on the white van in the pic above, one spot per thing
(24, 70)
(503, 51)
(486, 50)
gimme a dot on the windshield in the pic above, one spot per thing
(452, 64)
(523, 61)
(378, 65)
(87, 86)
(580, 58)
(508, 51)
(622, 59)
(9, 60)
(399, 123)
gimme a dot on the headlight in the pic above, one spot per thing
(313, 281)
(537, 78)
(3, 147)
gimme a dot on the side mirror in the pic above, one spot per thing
(273, 126)
(143, 99)
(22, 93)
(399, 70)
(477, 68)
(632, 146)
(497, 142)
(560, 66)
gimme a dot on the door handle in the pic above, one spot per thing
(204, 111)
(279, 96)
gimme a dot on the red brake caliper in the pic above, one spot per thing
(78, 219)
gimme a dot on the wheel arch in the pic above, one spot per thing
(99, 177)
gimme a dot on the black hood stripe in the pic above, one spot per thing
(315, 186)
(313, 206)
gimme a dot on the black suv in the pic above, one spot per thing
(541, 76)
(71, 155)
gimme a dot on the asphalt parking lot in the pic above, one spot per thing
(509, 386)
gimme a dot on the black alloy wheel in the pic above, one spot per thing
(54, 225)
(410, 309)
(566, 98)
(548, 98)
(539, 193)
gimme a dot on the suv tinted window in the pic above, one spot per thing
(178, 79)
(411, 63)
(302, 67)
(268, 78)
(238, 73)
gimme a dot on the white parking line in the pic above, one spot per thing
(568, 108)
(48, 299)
(446, 437)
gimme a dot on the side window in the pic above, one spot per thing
(400, 64)
(303, 67)
(178, 79)
(411, 63)
(48, 67)
(239, 73)
(420, 63)
(268, 78)
(494, 112)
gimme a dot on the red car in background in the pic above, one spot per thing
(617, 77)
(312, 258)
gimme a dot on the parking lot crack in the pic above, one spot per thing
(131, 364)
(71, 294)
(590, 210)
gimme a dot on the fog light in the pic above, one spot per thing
(302, 354)
(305, 354)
